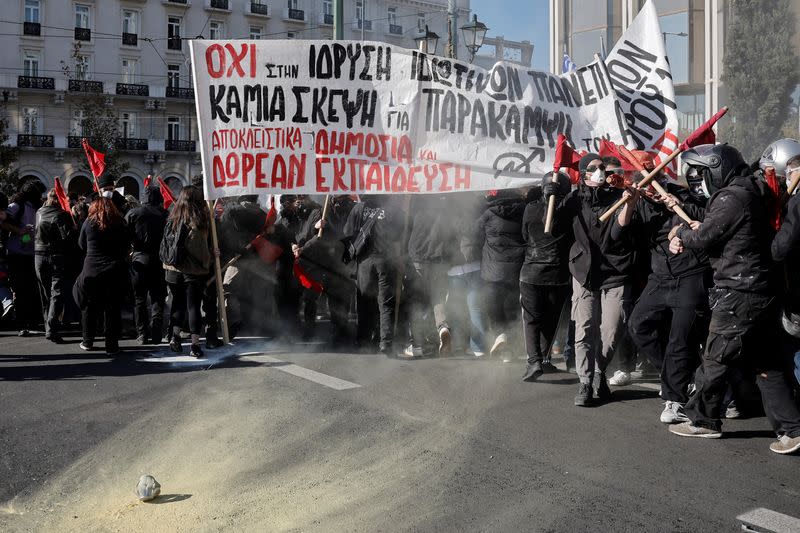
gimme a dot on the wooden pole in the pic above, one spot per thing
(551, 207)
(793, 185)
(648, 177)
(223, 315)
(324, 214)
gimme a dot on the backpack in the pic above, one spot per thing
(361, 240)
(172, 247)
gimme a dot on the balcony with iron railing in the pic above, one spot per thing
(83, 34)
(128, 143)
(357, 23)
(85, 86)
(258, 8)
(130, 39)
(222, 5)
(31, 28)
(326, 19)
(174, 43)
(294, 15)
(35, 141)
(173, 145)
(182, 2)
(133, 89)
(35, 82)
(180, 92)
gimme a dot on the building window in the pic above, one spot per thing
(327, 7)
(292, 4)
(129, 21)
(255, 32)
(82, 16)
(127, 125)
(30, 64)
(174, 33)
(392, 16)
(128, 71)
(359, 10)
(173, 76)
(82, 67)
(32, 11)
(174, 129)
(291, 35)
(216, 30)
(421, 21)
(30, 120)
(76, 123)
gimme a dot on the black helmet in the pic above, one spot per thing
(716, 164)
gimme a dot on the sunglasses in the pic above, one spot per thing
(592, 168)
(790, 170)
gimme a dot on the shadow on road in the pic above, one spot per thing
(169, 498)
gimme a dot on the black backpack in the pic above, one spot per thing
(172, 247)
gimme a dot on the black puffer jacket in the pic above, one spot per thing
(146, 225)
(433, 236)
(786, 248)
(603, 254)
(386, 234)
(239, 224)
(500, 226)
(56, 233)
(656, 223)
(546, 255)
(737, 236)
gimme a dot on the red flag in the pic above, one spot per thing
(62, 195)
(147, 181)
(663, 147)
(567, 157)
(304, 279)
(272, 214)
(97, 160)
(166, 192)
(773, 200)
(267, 251)
(705, 133)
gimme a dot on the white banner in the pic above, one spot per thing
(346, 117)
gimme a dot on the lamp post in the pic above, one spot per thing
(474, 33)
(676, 34)
(427, 42)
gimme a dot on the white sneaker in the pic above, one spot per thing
(499, 345)
(687, 429)
(673, 413)
(785, 445)
(620, 379)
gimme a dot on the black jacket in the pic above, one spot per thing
(309, 217)
(603, 254)
(736, 234)
(239, 224)
(786, 249)
(656, 223)
(433, 235)
(500, 227)
(146, 226)
(104, 249)
(546, 255)
(56, 233)
(386, 234)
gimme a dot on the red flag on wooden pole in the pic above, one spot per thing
(705, 133)
(567, 157)
(97, 160)
(62, 195)
(166, 192)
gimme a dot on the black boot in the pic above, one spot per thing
(533, 371)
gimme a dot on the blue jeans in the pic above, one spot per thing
(797, 366)
(466, 289)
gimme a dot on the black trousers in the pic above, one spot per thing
(541, 309)
(22, 278)
(148, 281)
(102, 299)
(187, 299)
(502, 305)
(52, 274)
(744, 334)
(210, 312)
(376, 299)
(668, 325)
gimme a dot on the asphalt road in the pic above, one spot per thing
(251, 440)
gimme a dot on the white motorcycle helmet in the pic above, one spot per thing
(777, 154)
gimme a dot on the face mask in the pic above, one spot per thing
(704, 189)
(108, 194)
(598, 176)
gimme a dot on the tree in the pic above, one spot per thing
(100, 127)
(760, 71)
(9, 174)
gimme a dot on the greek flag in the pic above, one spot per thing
(568, 65)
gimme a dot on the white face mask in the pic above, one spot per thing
(598, 176)
(704, 189)
(108, 194)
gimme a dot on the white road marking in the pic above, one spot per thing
(305, 373)
(651, 386)
(769, 520)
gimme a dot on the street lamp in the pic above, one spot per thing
(427, 42)
(473, 33)
(679, 34)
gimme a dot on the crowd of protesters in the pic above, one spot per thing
(709, 306)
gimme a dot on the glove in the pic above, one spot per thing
(549, 189)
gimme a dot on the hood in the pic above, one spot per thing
(153, 197)
(507, 208)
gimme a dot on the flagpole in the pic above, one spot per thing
(223, 315)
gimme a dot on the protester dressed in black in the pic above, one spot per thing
(146, 225)
(544, 280)
(56, 239)
(105, 239)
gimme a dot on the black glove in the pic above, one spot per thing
(549, 189)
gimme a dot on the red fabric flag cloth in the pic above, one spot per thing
(567, 157)
(774, 199)
(97, 160)
(705, 133)
(304, 279)
(62, 195)
(147, 181)
(267, 251)
(272, 214)
(166, 192)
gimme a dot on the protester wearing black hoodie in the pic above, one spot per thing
(601, 262)
(736, 233)
(309, 213)
(54, 246)
(500, 229)
(544, 280)
(146, 226)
